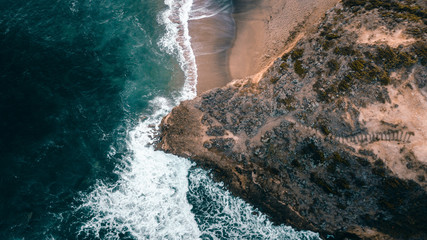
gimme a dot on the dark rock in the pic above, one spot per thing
(286, 156)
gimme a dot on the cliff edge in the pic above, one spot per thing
(332, 137)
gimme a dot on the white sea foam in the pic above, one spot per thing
(150, 200)
(213, 24)
(177, 41)
(222, 216)
(209, 8)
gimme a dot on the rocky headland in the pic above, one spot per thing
(332, 135)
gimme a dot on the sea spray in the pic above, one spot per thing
(209, 8)
(162, 196)
(177, 41)
(222, 216)
(149, 200)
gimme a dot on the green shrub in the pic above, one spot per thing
(333, 66)
(386, 54)
(379, 163)
(322, 184)
(394, 6)
(338, 159)
(284, 66)
(314, 152)
(363, 162)
(287, 102)
(405, 59)
(392, 58)
(384, 78)
(375, 73)
(297, 53)
(325, 130)
(342, 183)
(415, 32)
(357, 65)
(369, 55)
(325, 93)
(353, 3)
(420, 49)
(349, 78)
(345, 51)
(285, 57)
(326, 29)
(331, 36)
(332, 90)
(331, 167)
(326, 45)
(296, 164)
(274, 80)
(392, 9)
(407, 16)
(343, 86)
(299, 69)
(394, 183)
(379, 171)
(323, 96)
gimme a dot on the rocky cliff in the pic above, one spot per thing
(333, 136)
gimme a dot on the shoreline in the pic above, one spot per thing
(262, 32)
(266, 28)
(309, 137)
(211, 28)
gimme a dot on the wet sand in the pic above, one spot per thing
(242, 43)
(211, 39)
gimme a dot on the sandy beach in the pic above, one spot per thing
(241, 43)
(327, 139)
(263, 29)
(211, 28)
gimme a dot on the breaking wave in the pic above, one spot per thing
(177, 41)
(149, 200)
(222, 216)
(162, 196)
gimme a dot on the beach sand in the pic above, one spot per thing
(262, 31)
(244, 42)
(211, 29)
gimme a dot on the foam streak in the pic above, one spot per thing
(149, 200)
(177, 40)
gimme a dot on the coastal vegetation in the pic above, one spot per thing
(299, 69)
(295, 142)
(333, 66)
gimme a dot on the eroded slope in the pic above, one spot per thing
(332, 137)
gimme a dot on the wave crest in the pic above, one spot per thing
(177, 41)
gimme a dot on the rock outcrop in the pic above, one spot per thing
(333, 136)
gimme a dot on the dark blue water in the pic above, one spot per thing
(81, 84)
(74, 75)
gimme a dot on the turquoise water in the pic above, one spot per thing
(83, 85)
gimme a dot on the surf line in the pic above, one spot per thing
(177, 40)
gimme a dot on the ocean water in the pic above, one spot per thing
(83, 85)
